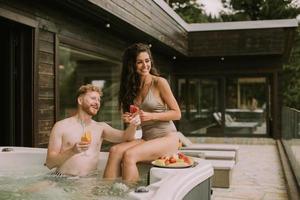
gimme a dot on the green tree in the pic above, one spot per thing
(291, 77)
(191, 11)
(240, 10)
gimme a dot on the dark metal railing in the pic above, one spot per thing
(291, 138)
(290, 123)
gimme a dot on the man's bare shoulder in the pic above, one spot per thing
(64, 122)
(102, 124)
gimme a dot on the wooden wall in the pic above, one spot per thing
(46, 86)
(147, 16)
(237, 42)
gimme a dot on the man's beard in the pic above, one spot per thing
(86, 108)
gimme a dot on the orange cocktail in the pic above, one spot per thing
(87, 137)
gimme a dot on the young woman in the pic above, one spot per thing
(142, 86)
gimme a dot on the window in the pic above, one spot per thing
(77, 67)
(246, 100)
(223, 105)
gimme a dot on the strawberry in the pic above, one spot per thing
(181, 155)
(167, 162)
(133, 109)
(187, 160)
(172, 160)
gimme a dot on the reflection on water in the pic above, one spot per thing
(34, 183)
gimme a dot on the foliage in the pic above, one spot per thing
(291, 77)
(191, 11)
(240, 10)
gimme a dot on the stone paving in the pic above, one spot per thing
(257, 175)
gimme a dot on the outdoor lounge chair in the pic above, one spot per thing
(233, 126)
(211, 154)
(222, 173)
(222, 163)
(189, 145)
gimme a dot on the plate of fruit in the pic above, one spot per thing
(178, 160)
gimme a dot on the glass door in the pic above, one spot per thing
(223, 106)
(246, 102)
(17, 78)
(199, 99)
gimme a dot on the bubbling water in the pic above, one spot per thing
(36, 183)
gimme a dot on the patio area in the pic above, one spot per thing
(258, 175)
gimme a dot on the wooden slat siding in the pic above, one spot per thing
(46, 58)
(151, 17)
(167, 38)
(46, 98)
(46, 92)
(46, 69)
(180, 35)
(46, 125)
(45, 103)
(155, 19)
(250, 65)
(46, 47)
(231, 43)
(46, 113)
(46, 81)
(46, 36)
(43, 138)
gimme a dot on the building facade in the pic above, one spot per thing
(225, 76)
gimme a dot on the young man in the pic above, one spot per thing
(73, 155)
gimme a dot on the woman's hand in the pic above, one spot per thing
(146, 116)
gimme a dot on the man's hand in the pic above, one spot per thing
(126, 117)
(81, 147)
(135, 120)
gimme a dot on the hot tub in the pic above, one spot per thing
(23, 175)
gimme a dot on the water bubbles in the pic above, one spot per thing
(120, 187)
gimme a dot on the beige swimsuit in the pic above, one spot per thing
(155, 129)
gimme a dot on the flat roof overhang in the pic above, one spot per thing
(175, 37)
(265, 37)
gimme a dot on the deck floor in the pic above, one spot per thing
(258, 175)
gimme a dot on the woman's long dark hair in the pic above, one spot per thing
(130, 79)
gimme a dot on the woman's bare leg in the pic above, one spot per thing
(113, 166)
(147, 151)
